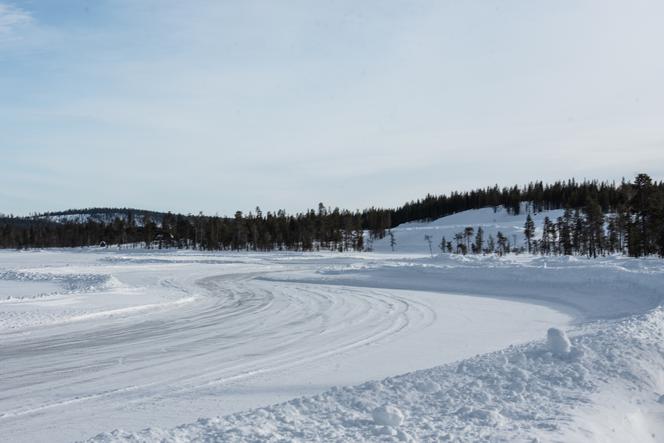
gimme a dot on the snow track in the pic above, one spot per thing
(282, 325)
(174, 338)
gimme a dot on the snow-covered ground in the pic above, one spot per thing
(135, 340)
(297, 347)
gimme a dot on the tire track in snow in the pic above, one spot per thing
(240, 329)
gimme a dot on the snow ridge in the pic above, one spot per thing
(522, 393)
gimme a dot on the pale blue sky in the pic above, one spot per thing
(218, 105)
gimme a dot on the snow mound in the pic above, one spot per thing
(558, 342)
(522, 393)
(387, 415)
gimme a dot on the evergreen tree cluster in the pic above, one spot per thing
(600, 218)
(559, 195)
(326, 229)
(634, 226)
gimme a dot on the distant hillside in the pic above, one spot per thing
(410, 237)
(104, 216)
(588, 218)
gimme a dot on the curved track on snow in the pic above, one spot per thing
(239, 336)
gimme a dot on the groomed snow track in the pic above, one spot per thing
(166, 339)
(97, 340)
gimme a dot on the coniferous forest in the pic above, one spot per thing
(600, 218)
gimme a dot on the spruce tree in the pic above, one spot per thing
(529, 230)
(479, 241)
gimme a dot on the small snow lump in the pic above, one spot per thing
(557, 342)
(387, 415)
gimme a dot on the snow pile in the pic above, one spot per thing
(522, 393)
(387, 415)
(558, 342)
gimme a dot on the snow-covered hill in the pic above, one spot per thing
(103, 215)
(410, 236)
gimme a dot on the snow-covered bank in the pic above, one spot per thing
(607, 388)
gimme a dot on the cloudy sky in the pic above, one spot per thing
(216, 105)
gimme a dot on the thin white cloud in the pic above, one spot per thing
(12, 18)
(288, 106)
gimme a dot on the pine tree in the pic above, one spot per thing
(643, 208)
(427, 238)
(529, 230)
(393, 241)
(565, 227)
(594, 228)
(503, 244)
(479, 241)
(544, 241)
(491, 244)
(458, 238)
(468, 234)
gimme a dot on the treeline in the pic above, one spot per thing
(634, 226)
(601, 218)
(327, 229)
(559, 195)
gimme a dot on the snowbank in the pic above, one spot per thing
(522, 393)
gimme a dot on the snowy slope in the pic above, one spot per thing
(410, 236)
(104, 216)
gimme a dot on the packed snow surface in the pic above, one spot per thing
(297, 347)
(132, 339)
(606, 392)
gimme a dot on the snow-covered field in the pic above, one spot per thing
(297, 347)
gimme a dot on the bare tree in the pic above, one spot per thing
(428, 239)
